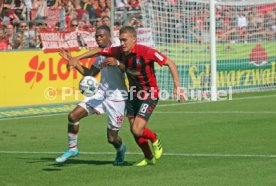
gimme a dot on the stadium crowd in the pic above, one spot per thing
(21, 20)
(188, 21)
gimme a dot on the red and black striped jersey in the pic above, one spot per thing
(139, 66)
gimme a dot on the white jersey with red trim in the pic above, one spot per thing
(112, 83)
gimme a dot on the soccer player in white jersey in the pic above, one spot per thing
(109, 99)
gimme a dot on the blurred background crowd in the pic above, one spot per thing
(21, 20)
(189, 21)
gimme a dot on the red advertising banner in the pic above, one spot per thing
(52, 41)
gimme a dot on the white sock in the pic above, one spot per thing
(72, 141)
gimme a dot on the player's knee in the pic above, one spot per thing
(114, 139)
(111, 139)
(73, 117)
(137, 132)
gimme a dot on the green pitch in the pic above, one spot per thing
(219, 143)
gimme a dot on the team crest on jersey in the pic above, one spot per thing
(138, 60)
(105, 50)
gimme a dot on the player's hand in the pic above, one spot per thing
(110, 61)
(179, 94)
(65, 54)
(72, 62)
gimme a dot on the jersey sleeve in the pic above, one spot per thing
(111, 51)
(98, 61)
(157, 56)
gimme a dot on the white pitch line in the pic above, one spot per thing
(200, 102)
(165, 154)
(161, 105)
(34, 116)
(158, 112)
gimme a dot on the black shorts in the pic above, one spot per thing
(141, 108)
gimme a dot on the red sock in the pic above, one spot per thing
(148, 134)
(144, 145)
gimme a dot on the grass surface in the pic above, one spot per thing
(219, 143)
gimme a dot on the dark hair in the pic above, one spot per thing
(128, 29)
(105, 17)
(104, 27)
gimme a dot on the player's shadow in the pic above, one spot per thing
(71, 162)
(53, 166)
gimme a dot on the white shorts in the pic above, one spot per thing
(115, 110)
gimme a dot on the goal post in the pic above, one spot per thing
(244, 40)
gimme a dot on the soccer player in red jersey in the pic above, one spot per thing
(138, 63)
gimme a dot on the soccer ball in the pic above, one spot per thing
(88, 86)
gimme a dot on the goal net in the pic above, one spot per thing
(245, 43)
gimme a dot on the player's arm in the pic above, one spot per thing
(92, 71)
(73, 61)
(114, 62)
(178, 91)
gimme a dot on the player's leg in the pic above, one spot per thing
(115, 112)
(114, 139)
(139, 128)
(144, 146)
(133, 107)
(89, 105)
(73, 129)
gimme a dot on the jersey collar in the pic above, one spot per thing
(134, 49)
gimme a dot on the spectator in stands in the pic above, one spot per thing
(18, 42)
(52, 3)
(41, 24)
(48, 3)
(117, 25)
(82, 24)
(3, 39)
(134, 22)
(19, 9)
(272, 23)
(106, 21)
(41, 6)
(32, 35)
(8, 16)
(225, 34)
(82, 14)
(101, 7)
(242, 27)
(106, 12)
(74, 23)
(120, 3)
(108, 4)
(70, 12)
(98, 22)
(58, 26)
(10, 34)
(24, 28)
(35, 41)
(7, 3)
(133, 3)
(269, 21)
(199, 34)
(85, 5)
